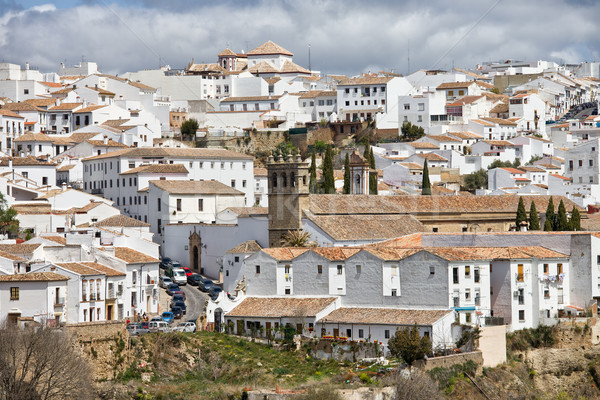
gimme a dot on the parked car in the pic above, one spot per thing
(177, 312)
(185, 327)
(188, 272)
(179, 304)
(180, 293)
(193, 279)
(136, 329)
(214, 292)
(160, 326)
(167, 317)
(164, 281)
(172, 288)
(164, 262)
(179, 276)
(205, 285)
(173, 265)
(178, 297)
(156, 319)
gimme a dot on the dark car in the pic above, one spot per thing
(193, 279)
(205, 285)
(214, 292)
(165, 262)
(178, 297)
(177, 312)
(179, 292)
(172, 288)
(179, 304)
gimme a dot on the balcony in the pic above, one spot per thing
(111, 294)
(59, 302)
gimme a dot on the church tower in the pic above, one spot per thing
(359, 174)
(288, 195)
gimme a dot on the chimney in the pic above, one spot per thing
(64, 186)
(105, 139)
(10, 162)
(27, 65)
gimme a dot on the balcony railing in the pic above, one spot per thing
(59, 302)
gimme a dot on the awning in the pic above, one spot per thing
(464, 308)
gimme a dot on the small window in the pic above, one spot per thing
(287, 269)
(361, 333)
(435, 229)
(431, 270)
(521, 315)
(546, 267)
(320, 269)
(178, 204)
(559, 269)
(236, 259)
(258, 269)
(288, 291)
(340, 269)
(468, 294)
(394, 292)
(467, 271)
(233, 183)
(14, 293)
(468, 318)
(200, 204)
(386, 333)
(358, 268)
(476, 275)
(520, 277)
(546, 293)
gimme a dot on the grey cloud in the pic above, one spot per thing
(345, 37)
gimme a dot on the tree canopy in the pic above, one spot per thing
(426, 184)
(328, 186)
(549, 224)
(313, 186)
(575, 221)
(475, 180)
(521, 213)
(372, 175)
(411, 132)
(347, 174)
(409, 345)
(9, 224)
(534, 218)
(189, 128)
(562, 224)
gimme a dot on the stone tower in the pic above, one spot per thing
(288, 195)
(359, 174)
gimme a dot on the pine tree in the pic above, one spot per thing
(549, 224)
(328, 180)
(575, 220)
(426, 185)
(561, 218)
(521, 213)
(372, 175)
(312, 183)
(534, 218)
(347, 174)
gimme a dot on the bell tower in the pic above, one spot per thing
(288, 195)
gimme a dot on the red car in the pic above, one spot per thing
(188, 271)
(179, 292)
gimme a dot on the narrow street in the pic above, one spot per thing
(195, 301)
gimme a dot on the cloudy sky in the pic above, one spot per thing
(349, 37)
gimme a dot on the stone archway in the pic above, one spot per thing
(195, 249)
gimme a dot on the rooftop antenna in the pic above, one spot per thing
(408, 57)
(309, 68)
(246, 46)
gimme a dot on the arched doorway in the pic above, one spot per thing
(196, 257)
(195, 247)
(218, 320)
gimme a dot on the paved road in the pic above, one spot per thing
(195, 301)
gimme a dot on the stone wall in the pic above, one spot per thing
(327, 350)
(448, 361)
(91, 331)
(364, 393)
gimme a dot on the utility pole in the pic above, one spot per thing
(309, 68)
(408, 58)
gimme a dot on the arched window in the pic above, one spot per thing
(292, 180)
(283, 179)
(304, 180)
(274, 180)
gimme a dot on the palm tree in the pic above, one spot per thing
(296, 238)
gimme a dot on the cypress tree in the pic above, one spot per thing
(575, 220)
(534, 218)
(561, 218)
(521, 213)
(347, 174)
(372, 175)
(426, 185)
(549, 224)
(312, 183)
(328, 180)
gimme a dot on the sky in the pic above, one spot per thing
(345, 37)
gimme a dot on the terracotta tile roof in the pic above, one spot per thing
(532, 169)
(485, 85)
(57, 239)
(19, 249)
(101, 91)
(34, 277)
(196, 187)
(89, 206)
(214, 67)
(174, 152)
(277, 307)
(371, 205)
(432, 157)
(41, 102)
(285, 253)
(245, 212)
(464, 100)
(109, 143)
(514, 171)
(494, 253)
(32, 208)
(443, 138)
(132, 256)
(24, 161)
(482, 122)
(385, 316)
(465, 135)
(318, 93)
(263, 67)
(352, 227)
(115, 122)
(250, 98)
(411, 165)
(269, 48)
(560, 177)
(499, 121)
(88, 109)
(11, 257)
(34, 137)
(79, 268)
(79, 137)
(108, 271)
(22, 106)
(261, 172)
(273, 80)
(65, 107)
(8, 113)
(289, 67)
(335, 253)
(52, 84)
(141, 86)
(226, 52)
(499, 108)
(548, 166)
(158, 169)
(365, 80)
(424, 145)
(454, 85)
(504, 143)
(251, 246)
(121, 221)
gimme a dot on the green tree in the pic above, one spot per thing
(562, 224)
(347, 174)
(372, 174)
(426, 184)
(320, 146)
(476, 180)
(549, 224)
(328, 180)
(296, 238)
(505, 164)
(9, 224)
(411, 132)
(521, 213)
(409, 345)
(189, 128)
(575, 220)
(313, 186)
(534, 218)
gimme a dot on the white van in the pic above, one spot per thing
(158, 326)
(179, 277)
